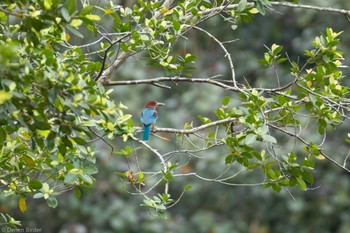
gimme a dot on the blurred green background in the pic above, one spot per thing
(208, 207)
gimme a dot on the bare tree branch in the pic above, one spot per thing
(196, 129)
(227, 54)
(310, 7)
(158, 82)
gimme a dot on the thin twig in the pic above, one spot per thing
(227, 54)
(154, 151)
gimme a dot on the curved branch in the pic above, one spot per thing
(222, 181)
(307, 144)
(157, 82)
(196, 129)
(310, 7)
(154, 151)
(211, 12)
(281, 4)
(102, 71)
(227, 54)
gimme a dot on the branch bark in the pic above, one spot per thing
(157, 81)
(310, 7)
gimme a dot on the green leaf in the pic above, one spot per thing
(2, 135)
(5, 96)
(65, 14)
(30, 162)
(38, 195)
(268, 138)
(90, 169)
(75, 32)
(71, 6)
(204, 120)
(70, 178)
(52, 96)
(35, 184)
(226, 100)
(80, 141)
(86, 178)
(313, 98)
(229, 159)
(86, 10)
(242, 5)
(3, 16)
(260, 7)
(308, 106)
(307, 163)
(220, 113)
(124, 118)
(122, 174)
(277, 188)
(301, 183)
(52, 202)
(176, 25)
(48, 4)
(188, 187)
(307, 176)
(250, 139)
(77, 193)
(42, 125)
(280, 60)
(190, 58)
(254, 165)
(270, 173)
(276, 49)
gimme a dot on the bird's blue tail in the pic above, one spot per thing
(146, 132)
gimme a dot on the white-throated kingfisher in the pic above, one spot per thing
(149, 117)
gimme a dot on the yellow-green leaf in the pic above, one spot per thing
(5, 96)
(22, 205)
(253, 11)
(93, 17)
(109, 11)
(76, 23)
(320, 157)
(110, 126)
(67, 37)
(124, 118)
(274, 46)
(47, 4)
(75, 171)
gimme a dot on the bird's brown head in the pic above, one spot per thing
(153, 104)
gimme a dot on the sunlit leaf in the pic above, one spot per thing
(108, 11)
(5, 96)
(93, 17)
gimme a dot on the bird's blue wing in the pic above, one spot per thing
(149, 116)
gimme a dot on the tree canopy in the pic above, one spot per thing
(60, 61)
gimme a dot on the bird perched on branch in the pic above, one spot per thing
(149, 117)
